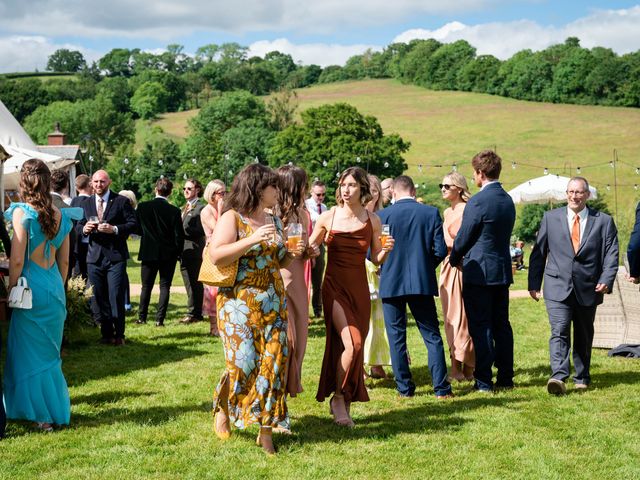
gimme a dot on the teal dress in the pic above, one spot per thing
(34, 386)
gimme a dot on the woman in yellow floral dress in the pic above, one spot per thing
(252, 315)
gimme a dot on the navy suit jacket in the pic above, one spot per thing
(482, 243)
(565, 270)
(410, 268)
(119, 213)
(633, 251)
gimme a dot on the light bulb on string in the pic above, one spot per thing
(324, 163)
(358, 160)
(578, 170)
(454, 167)
(126, 161)
(290, 164)
(513, 165)
(210, 172)
(256, 160)
(337, 174)
(635, 186)
(546, 171)
(137, 170)
(185, 176)
(160, 162)
(420, 167)
(194, 161)
(608, 187)
(386, 164)
(611, 164)
(123, 171)
(637, 170)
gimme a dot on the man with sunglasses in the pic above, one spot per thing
(315, 205)
(194, 242)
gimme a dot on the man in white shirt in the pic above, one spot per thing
(315, 205)
(576, 252)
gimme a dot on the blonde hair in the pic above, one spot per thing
(459, 181)
(130, 196)
(375, 183)
(213, 187)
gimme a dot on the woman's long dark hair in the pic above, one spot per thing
(35, 189)
(293, 185)
(248, 186)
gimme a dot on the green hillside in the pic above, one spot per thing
(449, 127)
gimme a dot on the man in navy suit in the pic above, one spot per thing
(107, 253)
(482, 247)
(576, 252)
(408, 276)
(633, 250)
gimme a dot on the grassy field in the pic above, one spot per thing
(143, 411)
(450, 127)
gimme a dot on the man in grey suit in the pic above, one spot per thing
(576, 252)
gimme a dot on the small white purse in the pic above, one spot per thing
(20, 295)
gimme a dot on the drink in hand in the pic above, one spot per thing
(385, 234)
(294, 235)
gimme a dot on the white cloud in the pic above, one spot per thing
(165, 19)
(28, 53)
(322, 54)
(615, 29)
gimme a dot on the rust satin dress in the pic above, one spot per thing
(345, 282)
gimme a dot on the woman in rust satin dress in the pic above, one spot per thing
(349, 231)
(455, 190)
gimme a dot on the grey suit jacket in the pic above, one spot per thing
(565, 271)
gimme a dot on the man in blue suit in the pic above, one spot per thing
(107, 253)
(408, 276)
(482, 247)
(633, 250)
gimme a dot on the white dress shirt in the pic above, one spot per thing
(583, 215)
(312, 206)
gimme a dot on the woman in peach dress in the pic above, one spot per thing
(455, 190)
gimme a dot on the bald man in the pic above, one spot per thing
(108, 220)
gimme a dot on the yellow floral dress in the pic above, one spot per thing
(252, 319)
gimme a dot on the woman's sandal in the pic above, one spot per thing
(45, 427)
(222, 435)
(265, 440)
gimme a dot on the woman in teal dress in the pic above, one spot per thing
(34, 386)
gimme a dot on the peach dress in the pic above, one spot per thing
(455, 319)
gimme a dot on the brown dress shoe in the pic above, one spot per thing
(188, 319)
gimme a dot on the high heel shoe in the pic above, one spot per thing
(265, 440)
(222, 435)
(344, 421)
(45, 427)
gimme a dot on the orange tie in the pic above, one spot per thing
(575, 233)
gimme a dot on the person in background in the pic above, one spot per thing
(214, 194)
(108, 253)
(34, 385)
(316, 207)
(127, 292)
(252, 314)
(161, 243)
(387, 191)
(633, 250)
(376, 346)
(194, 242)
(456, 326)
(85, 190)
(576, 252)
(350, 231)
(481, 249)
(291, 209)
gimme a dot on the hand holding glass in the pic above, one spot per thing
(294, 236)
(385, 234)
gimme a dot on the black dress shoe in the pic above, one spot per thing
(119, 342)
(106, 341)
(159, 324)
(140, 321)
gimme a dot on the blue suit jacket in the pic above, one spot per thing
(484, 238)
(119, 213)
(410, 268)
(633, 251)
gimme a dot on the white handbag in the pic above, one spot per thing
(20, 295)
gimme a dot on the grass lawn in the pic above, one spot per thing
(143, 411)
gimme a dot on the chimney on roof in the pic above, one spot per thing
(56, 137)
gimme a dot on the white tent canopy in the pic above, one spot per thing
(544, 189)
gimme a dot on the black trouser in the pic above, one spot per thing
(317, 272)
(190, 269)
(108, 280)
(148, 271)
(80, 266)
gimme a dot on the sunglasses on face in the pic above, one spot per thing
(222, 194)
(187, 189)
(445, 186)
(319, 194)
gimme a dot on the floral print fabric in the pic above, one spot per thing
(252, 319)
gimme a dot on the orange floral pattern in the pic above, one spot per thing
(252, 319)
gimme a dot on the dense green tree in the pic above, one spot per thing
(207, 53)
(118, 62)
(605, 78)
(117, 90)
(22, 97)
(332, 138)
(526, 75)
(194, 84)
(282, 107)
(79, 88)
(441, 69)
(332, 73)
(255, 76)
(65, 60)
(630, 88)
(281, 64)
(304, 76)
(94, 122)
(173, 84)
(149, 99)
(396, 53)
(477, 75)
(413, 62)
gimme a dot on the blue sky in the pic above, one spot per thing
(323, 32)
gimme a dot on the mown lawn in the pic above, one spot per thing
(143, 411)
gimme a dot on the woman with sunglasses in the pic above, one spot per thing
(455, 190)
(214, 194)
